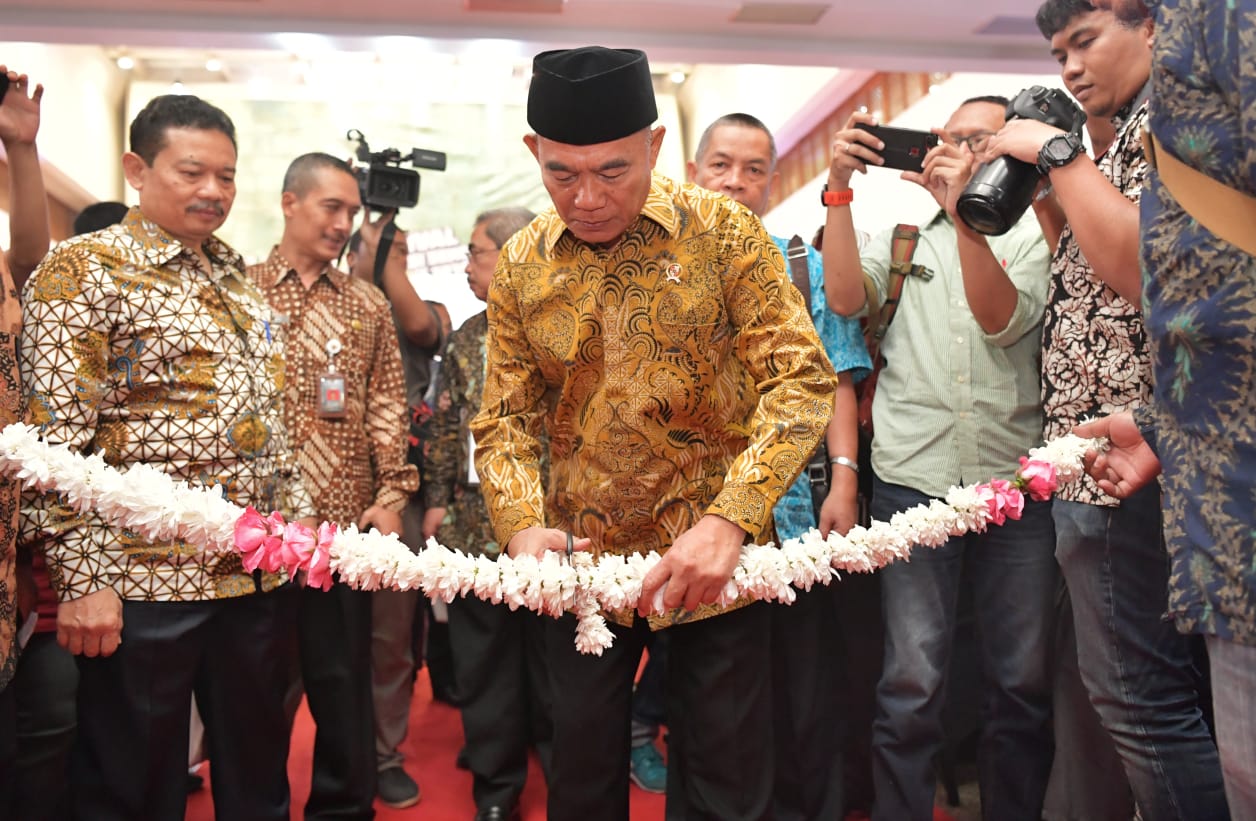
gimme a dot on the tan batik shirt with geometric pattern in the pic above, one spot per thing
(678, 374)
(132, 349)
(358, 460)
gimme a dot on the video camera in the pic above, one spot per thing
(382, 183)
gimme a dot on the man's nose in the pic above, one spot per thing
(588, 195)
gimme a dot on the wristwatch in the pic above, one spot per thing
(1059, 151)
(831, 198)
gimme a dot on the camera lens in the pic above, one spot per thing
(997, 195)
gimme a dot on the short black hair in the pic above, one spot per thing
(994, 99)
(99, 215)
(300, 173)
(737, 118)
(148, 129)
(1055, 15)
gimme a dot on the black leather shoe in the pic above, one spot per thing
(498, 814)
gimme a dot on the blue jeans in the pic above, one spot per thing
(1013, 574)
(1135, 665)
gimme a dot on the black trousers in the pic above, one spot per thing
(335, 646)
(718, 705)
(504, 695)
(130, 755)
(805, 674)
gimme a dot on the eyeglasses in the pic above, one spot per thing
(473, 251)
(975, 142)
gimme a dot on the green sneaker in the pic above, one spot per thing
(646, 768)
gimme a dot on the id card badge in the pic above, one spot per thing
(331, 395)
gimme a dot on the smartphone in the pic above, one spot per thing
(905, 149)
(4, 85)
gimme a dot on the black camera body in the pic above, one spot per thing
(382, 183)
(1001, 190)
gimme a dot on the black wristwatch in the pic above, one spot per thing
(1059, 151)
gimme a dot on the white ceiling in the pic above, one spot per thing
(903, 35)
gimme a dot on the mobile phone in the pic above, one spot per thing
(905, 148)
(4, 85)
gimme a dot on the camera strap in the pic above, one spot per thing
(796, 254)
(903, 244)
(386, 235)
(1226, 212)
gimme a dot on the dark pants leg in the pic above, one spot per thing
(8, 749)
(130, 754)
(1013, 575)
(335, 636)
(247, 650)
(1136, 667)
(45, 688)
(495, 645)
(862, 644)
(808, 782)
(649, 697)
(592, 700)
(720, 748)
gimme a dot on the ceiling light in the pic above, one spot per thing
(177, 88)
(678, 77)
(213, 64)
(125, 62)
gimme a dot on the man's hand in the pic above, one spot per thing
(19, 113)
(1129, 464)
(372, 230)
(840, 509)
(1020, 139)
(696, 567)
(853, 150)
(947, 170)
(432, 517)
(382, 519)
(534, 541)
(91, 625)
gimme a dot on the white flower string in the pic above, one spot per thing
(145, 499)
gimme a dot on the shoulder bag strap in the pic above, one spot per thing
(796, 255)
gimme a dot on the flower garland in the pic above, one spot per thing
(145, 499)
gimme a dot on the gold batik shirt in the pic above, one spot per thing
(131, 348)
(358, 460)
(10, 411)
(678, 374)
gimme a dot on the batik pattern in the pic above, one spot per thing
(132, 349)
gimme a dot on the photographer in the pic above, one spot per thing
(1137, 669)
(957, 403)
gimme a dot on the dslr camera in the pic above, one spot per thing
(382, 183)
(1001, 190)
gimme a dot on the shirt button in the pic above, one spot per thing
(959, 340)
(959, 379)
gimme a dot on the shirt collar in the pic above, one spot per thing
(1132, 107)
(277, 269)
(660, 207)
(157, 247)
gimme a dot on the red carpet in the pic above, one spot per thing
(431, 747)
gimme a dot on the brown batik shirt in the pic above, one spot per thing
(358, 460)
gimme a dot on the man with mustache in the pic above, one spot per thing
(145, 342)
(344, 402)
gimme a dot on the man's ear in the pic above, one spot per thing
(286, 203)
(533, 145)
(656, 142)
(133, 167)
(691, 170)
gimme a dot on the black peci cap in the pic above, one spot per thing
(591, 94)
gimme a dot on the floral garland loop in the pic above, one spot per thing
(146, 499)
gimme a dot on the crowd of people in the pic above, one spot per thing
(654, 371)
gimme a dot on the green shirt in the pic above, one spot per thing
(955, 405)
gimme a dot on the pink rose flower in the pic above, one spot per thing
(1003, 500)
(318, 574)
(257, 539)
(1038, 478)
(298, 548)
